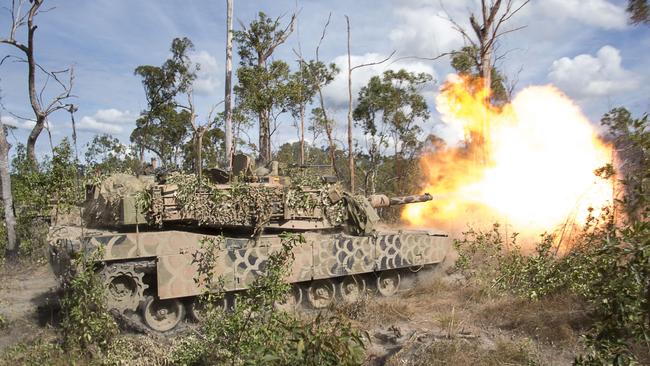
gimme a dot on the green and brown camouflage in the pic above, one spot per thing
(151, 237)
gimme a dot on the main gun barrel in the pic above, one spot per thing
(381, 200)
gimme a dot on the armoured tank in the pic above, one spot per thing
(150, 229)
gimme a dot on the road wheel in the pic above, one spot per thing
(197, 310)
(163, 315)
(351, 288)
(292, 301)
(320, 293)
(388, 283)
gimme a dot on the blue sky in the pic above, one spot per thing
(584, 47)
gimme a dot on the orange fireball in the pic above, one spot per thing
(529, 163)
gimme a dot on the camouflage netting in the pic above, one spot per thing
(242, 204)
(103, 209)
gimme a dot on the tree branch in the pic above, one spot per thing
(373, 63)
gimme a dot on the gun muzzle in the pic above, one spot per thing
(381, 200)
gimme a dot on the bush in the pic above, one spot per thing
(86, 323)
(256, 332)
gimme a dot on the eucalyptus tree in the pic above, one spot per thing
(303, 86)
(262, 87)
(7, 198)
(166, 124)
(390, 108)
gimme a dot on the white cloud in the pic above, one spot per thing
(598, 13)
(336, 92)
(207, 80)
(588, 76)
(426, 31)
(110, 121)
(11, 121)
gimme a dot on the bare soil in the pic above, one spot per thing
(27, 302)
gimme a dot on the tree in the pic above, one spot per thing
(487, 30)
(466, 62)
(320, 118)
(639, 11)
(162, 133)
(303, 86)
(106, 154)
(631, 138)
(228, 85)
(390, 106)
(7, 197)
(164, 127)
(350, 69)
(42, 109)
(262, 85)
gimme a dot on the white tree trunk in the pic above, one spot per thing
(350, 147)
(228, 96)
(7, 199)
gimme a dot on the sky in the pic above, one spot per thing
(586, 48)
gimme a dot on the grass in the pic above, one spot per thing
(468, 352)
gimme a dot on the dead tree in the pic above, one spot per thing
(350, 69)
(228, 94)
(329, 125)
(42, 109)
(7, 198)
(488, 28)
(198, 132)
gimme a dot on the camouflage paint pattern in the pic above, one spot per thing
(240, 260)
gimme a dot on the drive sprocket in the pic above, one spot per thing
(124, 286)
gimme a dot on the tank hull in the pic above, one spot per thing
(172, 256)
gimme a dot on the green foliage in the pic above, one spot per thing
(263, 89)
(105, 154)
(305, 83)
(632, 141)
(260, 89)
(256, 332)
(639, 11)
(86, 324)
(391, 107)
(37, 353)
(39, 192)
(467, 61)
(163, 128)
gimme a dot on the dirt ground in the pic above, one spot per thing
(438, 319)
(26, 293)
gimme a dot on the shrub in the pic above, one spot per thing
(86, 323)
(256, 332)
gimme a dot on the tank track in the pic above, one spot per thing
(132, 321)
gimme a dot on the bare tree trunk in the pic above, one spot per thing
(199, 147)
(33, 136)
(350, 147)
(7, 199)
(228, 97)
(302, 135)
(265, 138)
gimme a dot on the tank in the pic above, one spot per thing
(150, 230)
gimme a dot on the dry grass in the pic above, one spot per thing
(554, 320)
(466, 323)
(467, 352)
